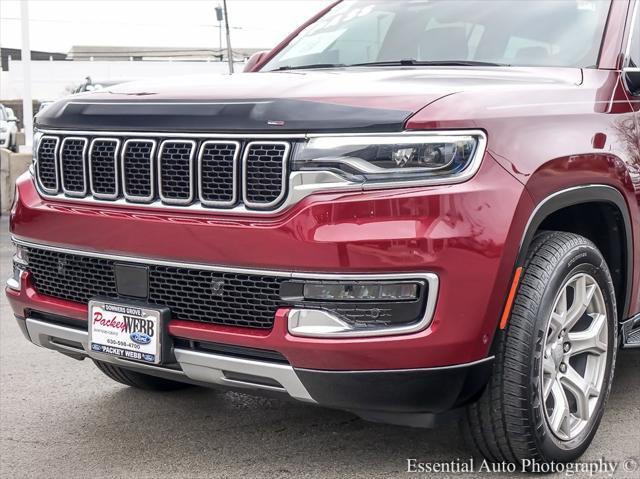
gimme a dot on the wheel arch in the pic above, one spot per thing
(564, 201)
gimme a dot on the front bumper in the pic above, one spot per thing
(398, 396)
(466, 234)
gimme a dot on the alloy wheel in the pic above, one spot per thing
(574, 359)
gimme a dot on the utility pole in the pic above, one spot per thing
(229, 49)
(27, 106)
(219, 17)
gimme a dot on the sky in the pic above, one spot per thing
(58, 25)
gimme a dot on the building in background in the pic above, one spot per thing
(56, 74)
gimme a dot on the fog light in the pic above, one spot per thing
(361, 291)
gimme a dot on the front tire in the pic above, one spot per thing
(555, 359)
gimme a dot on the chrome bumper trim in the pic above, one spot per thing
(13, 284)
(196, 366)
(210, 368)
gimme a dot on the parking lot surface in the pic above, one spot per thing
(62, 418)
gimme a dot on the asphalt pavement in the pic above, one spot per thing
(62, 418)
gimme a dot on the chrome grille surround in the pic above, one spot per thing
(51, 164)
(203, 189)
(251, 173)
(72, 156)
(126, 163)
(92, 183)
(170, 197)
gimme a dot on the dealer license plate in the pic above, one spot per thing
(126, 331)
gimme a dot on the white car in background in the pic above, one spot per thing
(8, 128)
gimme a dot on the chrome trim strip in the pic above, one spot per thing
(13, 284)
(152, 179)
(195, 365)
(301, 185)
(173, 201)
(74, 194)
(226, 269)
(210, 368)
(137, 259)
(56, 154)
(234, 200)
(285, 174)
(104, 196)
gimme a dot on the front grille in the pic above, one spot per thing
(137, 167)
(218, 169)
(72, 166)
(71, 277)
(220, 174)
(264, 168)
(103, 167)
(47, 161)
(243, 300)
(234, 299)
(176, 171)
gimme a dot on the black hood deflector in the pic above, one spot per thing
(260, 116)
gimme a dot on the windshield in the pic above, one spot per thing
(564, 33)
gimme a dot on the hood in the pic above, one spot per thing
(337, 100)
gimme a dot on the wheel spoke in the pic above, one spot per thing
(583, 293)
(561, 411)
(590, 340)
(549, 367)
(556, 324)
(581, 389)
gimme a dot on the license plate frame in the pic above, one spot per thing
(128, 330)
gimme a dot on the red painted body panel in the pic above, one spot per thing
(545, 138)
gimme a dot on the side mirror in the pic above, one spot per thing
(632, 80)
(254, 60)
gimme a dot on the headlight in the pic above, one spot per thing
(400, 158)
(3, 129)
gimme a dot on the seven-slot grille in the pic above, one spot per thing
(235, 299)
(174, 171)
